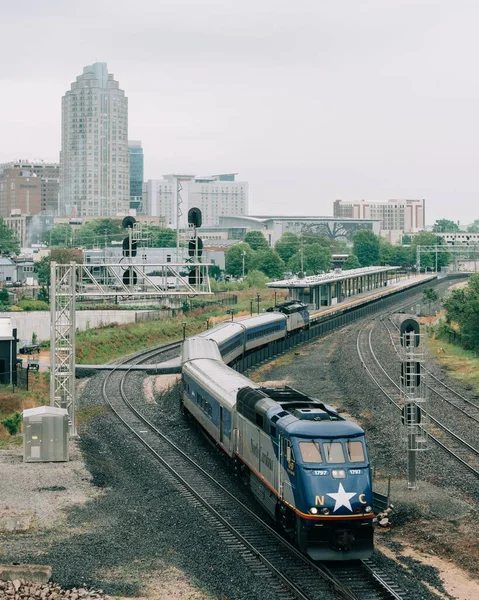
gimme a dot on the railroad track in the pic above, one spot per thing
(269, 554)
(448, 394)
(449, 441)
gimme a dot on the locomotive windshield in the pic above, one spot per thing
(332, 452)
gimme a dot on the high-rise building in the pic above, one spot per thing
(94, 159)
(29, 187)
(396, 216)
(136, 174)
(215, 196)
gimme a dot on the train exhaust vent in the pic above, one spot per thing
(311, 414)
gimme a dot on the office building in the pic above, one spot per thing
(216, 196)
(136, 175)
(396, 216)
(30, 187)
(94, 157)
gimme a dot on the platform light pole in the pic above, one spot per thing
(258, 300)
(243, 257)
(184, 330)
(251, 300)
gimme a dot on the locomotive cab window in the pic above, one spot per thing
(333, 451)
(355, 451)
(310, 452)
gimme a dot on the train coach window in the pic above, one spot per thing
(355, 451)
(310, 452)
(333, 451)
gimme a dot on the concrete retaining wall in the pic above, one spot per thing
(39, 321)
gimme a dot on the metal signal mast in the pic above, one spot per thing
(130, 277)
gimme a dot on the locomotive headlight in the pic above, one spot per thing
(368, 509)
(313, 510)
(338, 473)
(325, 511)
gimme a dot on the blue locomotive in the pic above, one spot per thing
(305, 464)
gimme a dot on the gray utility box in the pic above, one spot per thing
(45, 434)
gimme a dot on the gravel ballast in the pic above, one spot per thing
(137, 535)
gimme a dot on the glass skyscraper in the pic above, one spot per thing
(136, 174)
(94, 159)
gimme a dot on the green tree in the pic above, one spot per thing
(462, 307)
(4, 297)
(287, 245)
(43, 295)
(12, 423)
(386, 252)
(256, 240)
(59, 235)
(256, 279)
(62, 256)
(8, 242)
(430, 295)
(406, 240)
(214, 271)
(316, 259)
(474, 227)
(160, 237)
(269, 262)
(442, 225)
(428, 259)
(99, 232)
(351, 262)
(401, 256)
(234, 259)
(366, 247)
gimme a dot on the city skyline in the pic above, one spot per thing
(309, 103)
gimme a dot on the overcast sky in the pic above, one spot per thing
(308, 100)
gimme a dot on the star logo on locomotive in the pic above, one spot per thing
(342, 498)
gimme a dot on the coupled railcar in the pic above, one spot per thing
(305, 464)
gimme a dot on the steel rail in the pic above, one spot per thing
(282, 577)
(468, 403)
(441, 426)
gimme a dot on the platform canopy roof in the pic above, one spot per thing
(331, 277)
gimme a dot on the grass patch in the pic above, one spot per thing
(461, 364)
(104, 344)
(11, 402)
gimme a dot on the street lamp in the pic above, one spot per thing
(251, 300)
(231, 312)
(258, 300)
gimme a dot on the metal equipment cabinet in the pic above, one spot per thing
(45, 434)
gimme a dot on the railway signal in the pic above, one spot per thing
(412, 393)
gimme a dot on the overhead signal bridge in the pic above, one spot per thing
(131, 277)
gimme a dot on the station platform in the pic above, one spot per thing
(393, 287)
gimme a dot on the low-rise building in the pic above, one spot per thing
(396, 216)
(8, 270)
(273, 227)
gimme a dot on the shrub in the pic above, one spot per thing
(30, 304)
(12, 423)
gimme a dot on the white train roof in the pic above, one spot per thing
(218, 379)
(199, 347)
(227, 329)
